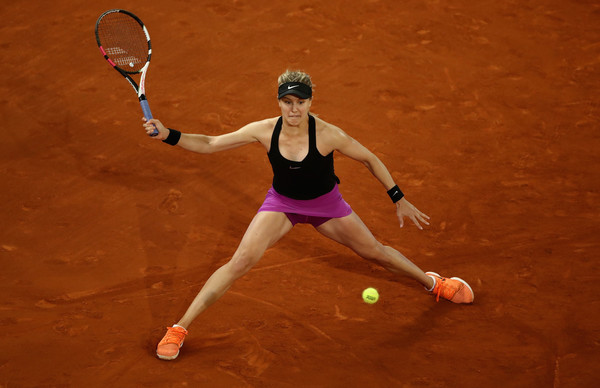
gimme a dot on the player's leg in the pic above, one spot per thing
(265, 230)
(353, 233)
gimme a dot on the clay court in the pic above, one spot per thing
(486, 113)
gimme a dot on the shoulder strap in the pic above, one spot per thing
(275, 136)
(312, 134)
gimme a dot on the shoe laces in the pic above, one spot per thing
(442, 287)
(175, 335)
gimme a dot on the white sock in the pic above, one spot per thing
(434, 282)
(180, 326)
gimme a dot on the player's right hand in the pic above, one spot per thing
(151, 125)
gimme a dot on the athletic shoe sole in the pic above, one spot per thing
(167, 358)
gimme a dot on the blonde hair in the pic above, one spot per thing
(295, 76)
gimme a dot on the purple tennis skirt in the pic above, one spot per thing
(312, 211)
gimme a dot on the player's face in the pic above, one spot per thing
(294, 110)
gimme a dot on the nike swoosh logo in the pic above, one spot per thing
(294, 168)
(292, 87)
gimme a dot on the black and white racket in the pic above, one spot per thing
(125, 43)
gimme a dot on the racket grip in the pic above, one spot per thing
(148, 114)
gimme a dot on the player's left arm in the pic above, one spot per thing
(346, 145)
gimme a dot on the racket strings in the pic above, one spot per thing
(124, 41)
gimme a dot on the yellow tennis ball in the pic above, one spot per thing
(370, 295)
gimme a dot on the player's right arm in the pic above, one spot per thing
(206, 144)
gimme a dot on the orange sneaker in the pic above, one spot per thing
(168, 347)
(454, 289)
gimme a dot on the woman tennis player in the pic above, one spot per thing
(305, 190)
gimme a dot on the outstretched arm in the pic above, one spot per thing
(353, 149)
(205, 144)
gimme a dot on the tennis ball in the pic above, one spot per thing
(370, 295)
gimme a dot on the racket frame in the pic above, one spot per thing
(140, 90)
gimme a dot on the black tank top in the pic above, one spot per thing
(308, 179)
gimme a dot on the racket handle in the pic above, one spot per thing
(148, 114)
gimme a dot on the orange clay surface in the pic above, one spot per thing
(486, 112)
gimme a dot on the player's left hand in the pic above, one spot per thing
(407, 209)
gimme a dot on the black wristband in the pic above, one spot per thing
(395, 194)
(173, 138)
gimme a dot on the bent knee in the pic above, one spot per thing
(242, 262)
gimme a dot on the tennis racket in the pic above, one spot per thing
(125, 43)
